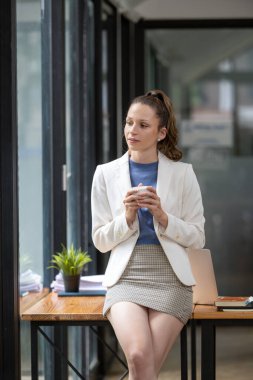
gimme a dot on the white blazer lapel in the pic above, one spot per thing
(163, 178)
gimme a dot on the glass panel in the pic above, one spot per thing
(79, 55)
(72, 121)
(29, 157)
(209, 77)
(79, 113)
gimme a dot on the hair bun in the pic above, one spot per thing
(155, 94)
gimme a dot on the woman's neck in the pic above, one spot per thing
(143, 157)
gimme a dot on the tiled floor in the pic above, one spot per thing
(234, 357)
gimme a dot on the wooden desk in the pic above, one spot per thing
(31, 299)
(53, 308)
(209, 318)
(86, 311)
(49, 309)
(210, 312)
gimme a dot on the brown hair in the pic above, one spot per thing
(163, 108)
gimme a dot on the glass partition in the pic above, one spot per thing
(208, 73)
(29, 158)
(79, 56)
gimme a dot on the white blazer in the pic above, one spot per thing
(180, 197)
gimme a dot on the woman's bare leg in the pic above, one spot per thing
(131, 326)
(164, 330)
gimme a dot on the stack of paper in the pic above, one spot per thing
(29, 282)
(86, 283)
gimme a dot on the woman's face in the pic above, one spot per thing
(142, 128)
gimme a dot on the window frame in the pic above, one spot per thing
(9, 295)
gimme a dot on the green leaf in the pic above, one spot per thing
(70, 261)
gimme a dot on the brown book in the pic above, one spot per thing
(232, 302)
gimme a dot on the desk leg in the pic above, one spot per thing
(208, 350)
(34, 350)
(193, 350)
(184, 362)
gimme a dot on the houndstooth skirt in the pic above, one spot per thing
(150, 281)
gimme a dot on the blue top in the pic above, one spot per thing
(147, 175)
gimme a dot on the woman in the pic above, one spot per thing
(146, 209)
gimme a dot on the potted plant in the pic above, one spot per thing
(70, 263)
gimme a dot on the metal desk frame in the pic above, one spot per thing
(36, 329)
(208, 342)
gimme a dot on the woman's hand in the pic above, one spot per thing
(131, 205)
(149, 199)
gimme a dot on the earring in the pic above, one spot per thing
(158, 140)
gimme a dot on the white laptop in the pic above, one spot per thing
(205, 291)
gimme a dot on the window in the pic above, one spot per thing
(208, 75)
(29, 157)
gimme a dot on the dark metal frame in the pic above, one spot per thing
(88, 149)
(53, 126)
(139, 58)
(208, 343)
(197, 24)
(110, 25)
(36, 328)
(62, 354)
(98, 80)
(128, 61)
(126, 53)
(83, 110)
(54, 153)
(9, 294)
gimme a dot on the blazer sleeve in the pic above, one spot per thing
(107, 230)
(188, 230)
